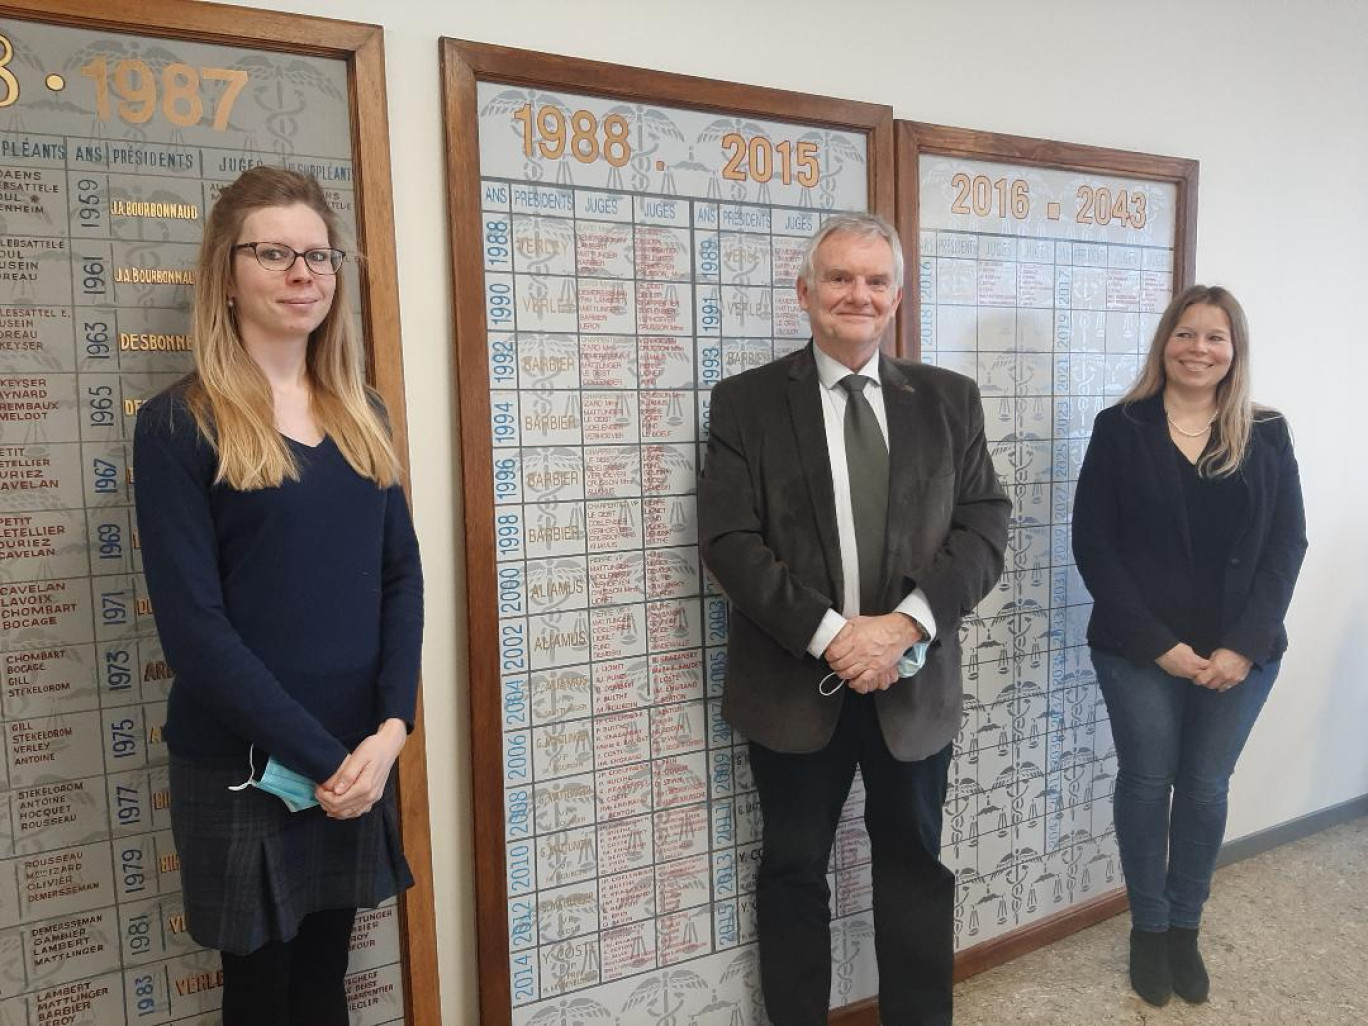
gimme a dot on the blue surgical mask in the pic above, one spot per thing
(912, 660)
(294, 789)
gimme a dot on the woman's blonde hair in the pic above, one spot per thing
(229, 395)
(1235, 413)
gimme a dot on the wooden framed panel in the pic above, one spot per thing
(1008, 164)
(119, 123)
(621, 240)
(1040, 269)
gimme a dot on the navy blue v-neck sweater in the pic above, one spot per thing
(291, 617)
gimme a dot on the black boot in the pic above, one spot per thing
(1190, 979)
(1150, 975)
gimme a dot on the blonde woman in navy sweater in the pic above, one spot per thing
(1189, 533)
(284, 576)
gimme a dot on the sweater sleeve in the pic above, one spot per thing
(401, 613)
(174, 470)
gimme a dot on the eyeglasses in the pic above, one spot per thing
(276, 256)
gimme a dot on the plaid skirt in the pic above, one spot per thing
(251, 869)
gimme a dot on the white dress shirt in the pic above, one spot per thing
(829, 373)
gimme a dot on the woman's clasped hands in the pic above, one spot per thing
(360, 781)
(1221, 672)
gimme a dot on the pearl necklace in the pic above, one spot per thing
(1189, 434)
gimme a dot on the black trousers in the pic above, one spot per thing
(914, 895)
(299, 982)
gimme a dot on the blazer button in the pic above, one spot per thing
(1234, 560)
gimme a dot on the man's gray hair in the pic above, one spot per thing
(868, 226)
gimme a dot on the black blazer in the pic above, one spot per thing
(767, 530)
(1130, 537)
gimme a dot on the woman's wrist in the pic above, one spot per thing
(395, 731)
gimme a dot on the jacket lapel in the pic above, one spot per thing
(809, 428)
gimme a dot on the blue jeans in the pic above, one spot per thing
(1174, 739)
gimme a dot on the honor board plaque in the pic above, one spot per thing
(114, 144)
(1041, 271)
(639, 236)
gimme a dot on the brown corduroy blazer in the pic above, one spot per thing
(767, 531)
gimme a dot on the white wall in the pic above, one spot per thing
(1269, 96)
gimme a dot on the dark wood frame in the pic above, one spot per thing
(361, 47)
(464, 64)
(915, 138)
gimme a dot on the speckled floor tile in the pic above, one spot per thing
(1285, 938)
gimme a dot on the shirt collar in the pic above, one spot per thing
(830, 371)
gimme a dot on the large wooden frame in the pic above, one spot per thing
(464, 64)
(915, 138)
(362, 48)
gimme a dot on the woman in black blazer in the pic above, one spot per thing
(1188, 531)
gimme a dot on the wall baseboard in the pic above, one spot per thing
(1001, 950)
(1293, 830)
(862, 1013)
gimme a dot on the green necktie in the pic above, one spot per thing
(867, 465)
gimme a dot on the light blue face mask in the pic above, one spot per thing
(912, 660)
(294, 789)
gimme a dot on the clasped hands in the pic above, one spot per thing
(1221, 672)
(360, 781)
(865, 653)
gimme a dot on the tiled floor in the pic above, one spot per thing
(1285, 938)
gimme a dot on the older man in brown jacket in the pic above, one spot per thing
(850, 511)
